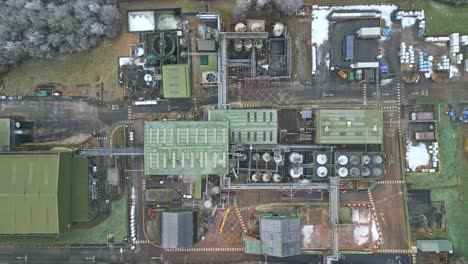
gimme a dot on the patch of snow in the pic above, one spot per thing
(360, 217)
(417, 156)
(361, 235)
(307, 231)
(408, 22)
(320, 23)
(453, 71)
(374, 232)
(141, 21)
(441, 44)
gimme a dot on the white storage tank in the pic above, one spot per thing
(342, 160)
(343, 172)
(322, 171)
(296, 172)
(321, 159)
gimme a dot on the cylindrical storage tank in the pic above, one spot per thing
(248, 45)
(354, 159)
(342, 160)
(343, 172)
(295, 158)
(256, 176)
(278, 158)
(295, 172)
(257, 27)
(266, 177)
(238, 45)
(355, 172)
(258, 44)
(377, 172)
(365, 171)
(266, 157)
(278, 29)
(240, 27)
(322, 171)
(321, 159)
(377, 159)
(207, 204)
(277, 177)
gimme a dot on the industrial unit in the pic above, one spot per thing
(249, 126)
(280, 235)
(351, 126)
(42, 192)
(186, 147)
(177, 229)
(176, 81)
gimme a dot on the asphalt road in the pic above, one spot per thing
(71, 256)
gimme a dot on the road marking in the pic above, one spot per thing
(141, 242)
(239, 217)
(101, 138)
(391, 182)
(364, 93)
(143, 184)
(400, 251)
(203, 249)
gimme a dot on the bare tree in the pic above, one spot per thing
(43, 28)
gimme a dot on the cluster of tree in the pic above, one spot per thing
(456, 2)
(266, 8)
(43, 28)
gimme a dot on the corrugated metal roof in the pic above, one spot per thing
(280, 235)
(177, 229)
(349, 126)
(186, 148)
(434, 245)
(176, 81)
(206, 45)
(249, 126)
(5, 132)
(32, 201)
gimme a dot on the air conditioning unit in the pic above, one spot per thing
(210, 78)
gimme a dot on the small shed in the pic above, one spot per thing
(5, 133)
(206, 45)
(436, 246)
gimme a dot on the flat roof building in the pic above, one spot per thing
(436, 246)
(349, 126)
(177, 229)
(176, 81)
(249, 126)
(280, 235)
(186, 147)
(42, 192)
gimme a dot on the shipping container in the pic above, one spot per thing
(424, 135)
(368, 33)
(422, 116)
(348, 48)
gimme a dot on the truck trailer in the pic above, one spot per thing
(424, 135)
(368, 33)
(420, 116)
(348, 48)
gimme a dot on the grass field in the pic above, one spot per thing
(453, 164)
(114, 224)
(71, 70)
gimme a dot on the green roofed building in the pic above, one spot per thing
(5, 133)
(435, 246)
(249, 126)
(176, 81)
(349, 126)
(42, 193)
(186, 147)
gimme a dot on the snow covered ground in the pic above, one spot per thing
(320, 23)
(359, 216)
(361, 234)
(408, 21)
(307, 232)
(417, 156)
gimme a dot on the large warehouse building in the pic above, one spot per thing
(42, 192)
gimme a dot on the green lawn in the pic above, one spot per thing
(114, 224)
(453, 164)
